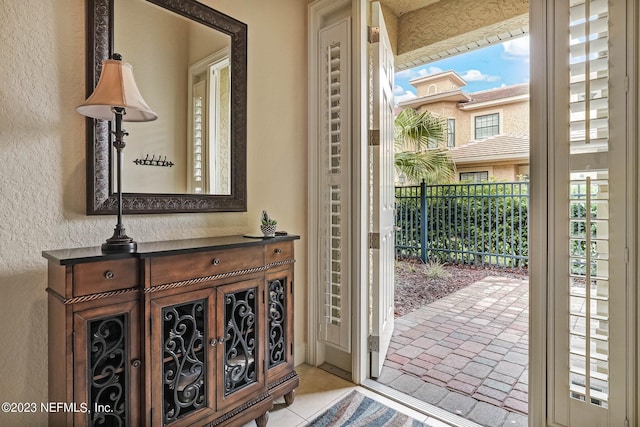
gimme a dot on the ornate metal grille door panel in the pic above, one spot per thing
(184, 359)
(240, 340)
(107, 349)
(277, 322)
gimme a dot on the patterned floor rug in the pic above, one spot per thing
(358, 410)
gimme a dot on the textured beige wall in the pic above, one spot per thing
(514, 118)
(391, 22)
(435, 86)
(450, 110)
(42, 147)
(443, 109)
(449, 19)
(463, 128)
(454, 23)
(505, 172)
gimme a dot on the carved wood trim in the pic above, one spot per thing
(283, 380)
(238, 410)
(92, 297)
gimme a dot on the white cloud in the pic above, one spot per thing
(517, 48)
(406, 96)
(477, 76)
(412, 73)
(404, 73)
(398, 90)
(432, 70)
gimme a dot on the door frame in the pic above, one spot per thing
(361, 293)
(319, 11)
(539, 159)
(541, 116)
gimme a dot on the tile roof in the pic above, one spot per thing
(451, 95)
(497, 148)
(498, 93)
(468, 99)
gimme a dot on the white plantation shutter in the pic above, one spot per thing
(588, 203)
(199, 139)
(589, 76)
(590, 175)
(589, 310)
(208, 151)
(335, 197)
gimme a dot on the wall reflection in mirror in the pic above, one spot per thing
(183, 69)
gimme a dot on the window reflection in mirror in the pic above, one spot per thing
(176, 62)
(209, 115)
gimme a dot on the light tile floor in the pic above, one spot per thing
(318, 391)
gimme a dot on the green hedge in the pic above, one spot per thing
(479, 224)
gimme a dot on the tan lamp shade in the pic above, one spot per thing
(117, 88)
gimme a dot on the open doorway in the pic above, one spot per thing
(460, 341)
(575, 115)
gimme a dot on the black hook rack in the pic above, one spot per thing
(153, 161)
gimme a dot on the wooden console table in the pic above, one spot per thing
(182, 333)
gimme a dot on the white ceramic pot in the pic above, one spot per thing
(268, 230)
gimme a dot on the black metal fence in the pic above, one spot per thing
(482, 224)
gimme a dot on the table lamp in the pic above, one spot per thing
(116, 97)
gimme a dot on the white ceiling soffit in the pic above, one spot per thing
(415, 59)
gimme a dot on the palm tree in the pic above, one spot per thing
(419, 148)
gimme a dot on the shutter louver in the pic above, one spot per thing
(589, 202)
(334, 114)
(589, 288)
(588, 76)
(199, 136)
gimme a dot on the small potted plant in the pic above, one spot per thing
(268, 225)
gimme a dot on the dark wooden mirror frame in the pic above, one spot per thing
(101, 200)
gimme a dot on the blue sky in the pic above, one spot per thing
(503, 64)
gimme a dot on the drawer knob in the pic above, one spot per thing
(278, 251)
(109, 275)
(213, 342)
(136, 363)
(215, 261)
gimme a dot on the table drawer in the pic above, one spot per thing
(183, 267)
(105, 276)
(276, 252)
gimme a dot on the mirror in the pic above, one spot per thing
(190, 65)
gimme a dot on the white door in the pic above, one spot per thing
(382, 192)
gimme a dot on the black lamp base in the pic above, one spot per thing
(119, 243)
(119, 247)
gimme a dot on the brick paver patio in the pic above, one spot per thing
(467, 353)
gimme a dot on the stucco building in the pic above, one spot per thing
(487, 131)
